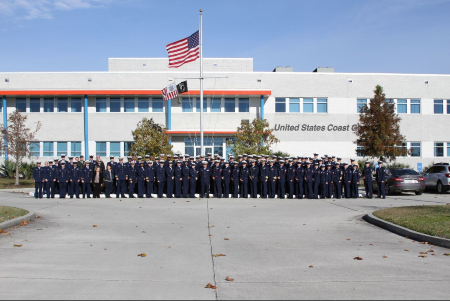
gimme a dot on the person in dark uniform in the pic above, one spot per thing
(337, 180)
(243, 179)
(329, 176)
(323, 182)
(38, 179)
(367, 173)
(290, 178)
(185, 177)
(316, 180)
(193, 178)
(50, 180)
(141, 179)
(62, 176)
(108, 178)
(300, 175)
(235, 179)
(226, 178)
(217, 178)
(309, 180)
(273, 178)
(253, 175)
(178, 181)
(264, 178)
(86, 180)
(121, 174)
(113, 164)
(348, 175)
(75, 180)
(149, 178)
(356, 178)
(282, 172)
(380, 176)
(170, 179)
(132, 179)
(161, 178)
(205, 176)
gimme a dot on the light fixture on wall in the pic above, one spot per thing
(350, 80)
(145, 65)
(89, 79)
(258, 80)
(6, 80)
(426, 82)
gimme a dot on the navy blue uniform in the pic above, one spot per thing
(235, 180)
(226, 177)
(217, 178)
(323, 184)
(132, 179)
(380, 176)
(141, 180)
(62, 176)
(178, 175)
(264, 178)
(290, 178)
(300, 180)
(121, 173)
(329, 176)
(243, 178)
(254, 175)
(86, 180)
(38, 177)
(160, 179)
(316, 180)
(282, 172)
(368, 182)
(185, 173)
(348, 175)
(50, 180)
(337, 180)
(193, 177)
(356, 177)
(170, 180)
(150, 179)
(273, 177)
(205, 176)
(108, 179)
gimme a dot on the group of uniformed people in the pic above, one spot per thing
(249, 175)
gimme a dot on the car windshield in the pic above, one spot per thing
(404, 172)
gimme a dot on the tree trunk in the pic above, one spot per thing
(17, 174)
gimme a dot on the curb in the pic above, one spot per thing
(417, 236)
(15, 222)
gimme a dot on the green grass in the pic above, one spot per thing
(6, 183)
(7, 213)
(431, 220)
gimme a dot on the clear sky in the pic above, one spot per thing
(398, 36)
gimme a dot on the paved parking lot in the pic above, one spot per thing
(269, 246)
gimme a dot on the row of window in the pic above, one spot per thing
(73, 149)
(130, 105)
(410, 106)
(414, 147)
(301, 105)
(216, 105)
(49, 105)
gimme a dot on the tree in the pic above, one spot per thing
(18, 137)
(150, 138)
(379, 129)
(254, 138)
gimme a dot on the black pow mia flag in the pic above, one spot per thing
(182, 87)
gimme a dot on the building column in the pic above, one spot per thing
(86, 129)
(5, 124)
(261, 112)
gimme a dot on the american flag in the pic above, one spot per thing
(184, 51)
(169, 92)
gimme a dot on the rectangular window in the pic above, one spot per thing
(21, 105)
(186, 105)
(189, 146)
(100, 106)
(35, 105)
(244, 105)
(415, 106)
(216, 104)
(438, 106)
(280, 105)
(128, 105)
(322, 105)
(359, 150)
(127, 148)
(402, 106)
(157, 105)
(62, 105)
(294, 105)
(101, 149)
(143, 105)
(75, 149)
(448, 150)
(114, 105)
(197, 105)
(49, 105)
(361, 104)
(308, 105)
(230, 105)
(75, 104)
(114, 149)
(415, 149)
(35, 149)
(439, 149)
(448, 106)
(48, 149)
(61, 148)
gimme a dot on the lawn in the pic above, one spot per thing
(431, 220)
(7, 213)
(6, 183)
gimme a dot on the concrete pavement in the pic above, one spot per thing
(270, 246)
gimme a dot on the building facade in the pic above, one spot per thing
(85, 113)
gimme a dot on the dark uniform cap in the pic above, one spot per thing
(50, 161)
(380, 162)
(337, 163)
(244, 162)
(338, 158)
(197, 157)
(62, 162)
(333, 156)
(245, 155)
(70, 158)
(353, 160)
(316, 163)
(111, 157)
(367, 162)
(316, 154)
(281, 162)
(204, 163)
(170, 162)
(209, 154)
(156, 158)
(322, 165)
(191, 158)
(161, 162)
(139, 157)
(226, 162)
(345, 163)
(240, 156)
(91, 156)
(147, 156)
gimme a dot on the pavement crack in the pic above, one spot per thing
(210, 244)
(342, 206)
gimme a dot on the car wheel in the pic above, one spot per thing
(439, 188)
(388, 191)
(419, 192)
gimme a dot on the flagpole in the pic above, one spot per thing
(201, 84)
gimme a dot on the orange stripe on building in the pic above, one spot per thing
(132, 92)
(198, 132)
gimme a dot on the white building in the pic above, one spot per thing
(95, 112)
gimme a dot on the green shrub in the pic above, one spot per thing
(8, 169)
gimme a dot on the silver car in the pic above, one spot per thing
(438, 177)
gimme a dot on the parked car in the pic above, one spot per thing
(400, 180)
(438, 177)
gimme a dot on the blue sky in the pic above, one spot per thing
(399, 36)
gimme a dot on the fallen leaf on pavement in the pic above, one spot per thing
(94, 226)
(39, 229)
(370, 244)
(229, 279)
(169, 247)
(209, 285)
(311, 266)
(357, 258)
(38, 216)
(384, 256)
(211, 235)
(219, 255)
(23, 223)
(423, 253)
(348, 239)
(406, 250)
(424, 243)
(17, 246)
(106, 249)
(143, 255)
(423, 256)
(144, 232)
(226, 239)
(446, 254)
